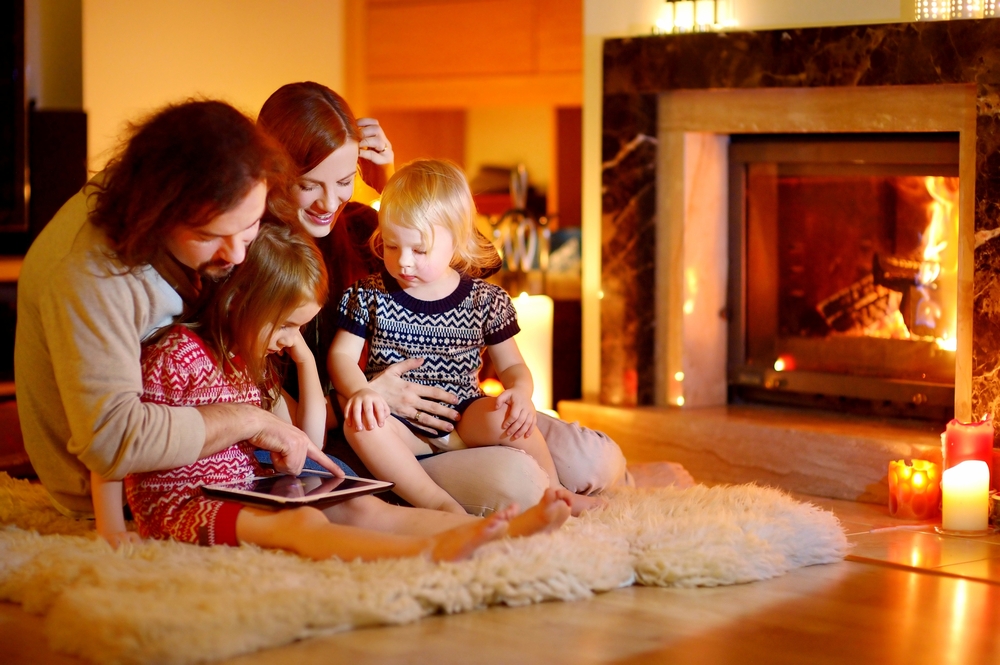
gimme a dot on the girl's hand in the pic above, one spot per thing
(520, 420)
(118, 538)
(299, 351)
(365, 409)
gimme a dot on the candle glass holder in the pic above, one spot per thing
(914, 489)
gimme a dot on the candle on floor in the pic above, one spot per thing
(914, 489)
(968, 441)
(965, 497)
(534, 316)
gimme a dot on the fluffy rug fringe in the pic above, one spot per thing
(168, 602)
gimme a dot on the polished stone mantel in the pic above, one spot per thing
(637, 71)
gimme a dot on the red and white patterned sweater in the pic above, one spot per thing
(178, 370)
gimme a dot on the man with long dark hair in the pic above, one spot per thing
(179, 203)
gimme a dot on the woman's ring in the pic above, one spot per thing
(416, 418)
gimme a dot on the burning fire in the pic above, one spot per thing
(942, 216)
(932, 278)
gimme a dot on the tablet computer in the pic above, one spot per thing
(310, 488)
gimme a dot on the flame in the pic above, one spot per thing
(942, 216)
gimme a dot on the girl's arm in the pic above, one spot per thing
(309, 414)
(518, 387)
(364, 407)
(107, 498)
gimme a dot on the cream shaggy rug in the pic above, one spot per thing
(167, 602)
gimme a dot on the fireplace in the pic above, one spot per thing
(672, 107)
(842, 271)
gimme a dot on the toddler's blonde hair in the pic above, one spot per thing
(429, 192)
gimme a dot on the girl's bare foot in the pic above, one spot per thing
(581, 502)
(459, 543)
(546, 515)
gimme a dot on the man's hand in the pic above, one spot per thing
(414, 401)
(289, 446)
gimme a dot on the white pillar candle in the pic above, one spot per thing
(965, 497)
(534, 316)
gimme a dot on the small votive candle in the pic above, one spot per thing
(914, 489)
(965, 497)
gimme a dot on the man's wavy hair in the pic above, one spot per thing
(182, 167)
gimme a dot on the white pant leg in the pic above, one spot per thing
(486, 479)
(587, 461)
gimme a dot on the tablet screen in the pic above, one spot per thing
(307, 484)
(308, 488)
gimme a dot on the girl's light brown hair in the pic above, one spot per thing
(429, 192)
(283, 270)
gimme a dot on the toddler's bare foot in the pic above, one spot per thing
(546, 515)
(581, 502)
(459, 543)
(660, 474)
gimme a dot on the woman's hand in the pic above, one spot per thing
(376, 156)
(365, 409)
(414, 401)
(521, 415)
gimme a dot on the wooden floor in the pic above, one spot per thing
(906, 595)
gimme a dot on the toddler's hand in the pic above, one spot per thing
(365, 409)
(520, 420)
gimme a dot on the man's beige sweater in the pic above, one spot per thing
(81, 318)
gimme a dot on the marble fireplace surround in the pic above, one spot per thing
(670, 104)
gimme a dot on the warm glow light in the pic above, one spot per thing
(688, 306)
(491, 387)
(600, 295)
(684, 15)
(534, 317)
(680, 401)
(914, 489)
(376, 204)
(665, 21)
(784, 363)
(965, 497)
(679, 376)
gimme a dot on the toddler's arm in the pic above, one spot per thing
(364, 408)
(107, 498)
(518, 386)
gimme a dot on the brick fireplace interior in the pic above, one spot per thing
(685, 365)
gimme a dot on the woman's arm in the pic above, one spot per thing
(108, 513)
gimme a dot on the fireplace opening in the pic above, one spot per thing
(843, 284)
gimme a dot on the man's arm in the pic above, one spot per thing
(226, 424)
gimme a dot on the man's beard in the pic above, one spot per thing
(215, 272)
